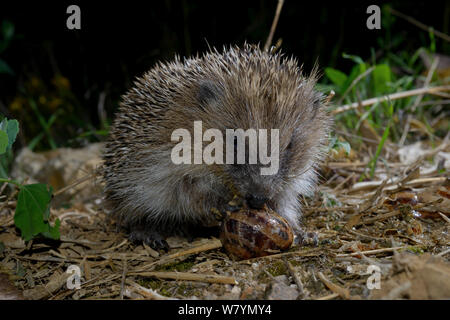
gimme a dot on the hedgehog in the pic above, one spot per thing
(239, 87)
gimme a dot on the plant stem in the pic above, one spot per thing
(11, 181)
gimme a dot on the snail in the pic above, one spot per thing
(250, 233)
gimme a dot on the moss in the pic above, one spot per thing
(165, 291)
(177, 266)
(166, 288)
(277, 268)
(149, 283)
(295, 263)
(186, 290)
(416, 250)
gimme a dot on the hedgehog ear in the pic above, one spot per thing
(208, 92)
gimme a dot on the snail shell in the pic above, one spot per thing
(250, 233)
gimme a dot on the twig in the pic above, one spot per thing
(147, 293)
(75, 183)
(405, 130)
(330, 96)
(86, 243)
(418, 100)
(100, 251)
(443, 253)
(3, 187)
(122, 282)
(427, 82)
(412, 183)
(108, 279)
(309, 253)
(370, 252)
(51, 251)
(274, 25)
(394, 96)
(210, 245)
(329, 297)
(329, 209)
(343, 292)
(340, 185)
(365, 235)
(441, 94)
(380, 217)
(186, 276)
(420, 25)
(294, 275)
(359, 137)
(433, 103)
(6, 202)
(396, 212)
(341, 165)
(444, 217)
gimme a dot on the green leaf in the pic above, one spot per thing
(32, 212)
(356, 71)
(355, 59)
(3, 141)
(53, 232)
(4, 68)
(11, 127)
(4, 124)
(12, 131)
(346, 146)
(432, 40)
(381, 75)
(336, 76)
(373, 163)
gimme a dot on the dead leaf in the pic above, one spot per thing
(7, 290)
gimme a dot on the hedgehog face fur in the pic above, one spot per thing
(238, 88)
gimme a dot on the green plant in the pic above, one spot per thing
(373, 162)
(334, 144)
(33, 203)
(389, 70)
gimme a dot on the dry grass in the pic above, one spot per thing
(402, 209)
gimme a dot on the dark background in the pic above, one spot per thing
(122, 39)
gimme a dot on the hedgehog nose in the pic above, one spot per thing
(255, 201)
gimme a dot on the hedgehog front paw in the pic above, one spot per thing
(304, 238)
(151, 238)
(235, 204)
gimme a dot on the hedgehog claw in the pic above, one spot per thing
(150, 238)
(232, 208)
(235, 204)
(159, 244)
(307, 239)
(218, 215)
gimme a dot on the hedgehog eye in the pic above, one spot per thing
(208, 92)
